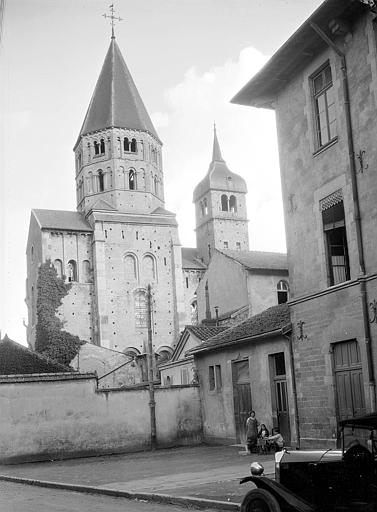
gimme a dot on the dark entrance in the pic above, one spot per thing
(349, 380)
(241, 397)
(280, 407)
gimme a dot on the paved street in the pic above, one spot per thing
(205, 472)
(21, 498)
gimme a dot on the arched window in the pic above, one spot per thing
(101, 182)
(102, 147)
(59, 267)
(283, 291)
(133, 146)
(130, 266)
(232, 204)
(194, 312)
(72, 271)
(32, 253)
(131, 180)
(126, 144)
(86, 271)
(96, 147)
(149, 269)
(163, 356)
(140, 305)
(205, 206)
(224, 203)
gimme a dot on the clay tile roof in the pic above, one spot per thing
(259, 260)
(17, 359)
(190, 259)
(205, 332)
(276, 318)
(60, 219)
(116, 101)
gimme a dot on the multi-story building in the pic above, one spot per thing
(322, 84)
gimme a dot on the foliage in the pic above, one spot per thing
(51, 340)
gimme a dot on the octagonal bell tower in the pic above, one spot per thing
(220, 208)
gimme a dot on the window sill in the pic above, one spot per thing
(326, 146)
(99, 156)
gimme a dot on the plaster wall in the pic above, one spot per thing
(191, 280)
(65, 416)
(218, 405)
(262, 289)
(227, 286)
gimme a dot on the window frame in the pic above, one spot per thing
(318, 145)
(215, 383)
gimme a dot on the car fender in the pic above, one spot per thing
(284, 497)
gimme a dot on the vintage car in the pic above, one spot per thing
(342, 480)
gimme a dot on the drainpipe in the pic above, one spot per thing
(208, 309)
(152, 402)
(356, 206)
(294, 388)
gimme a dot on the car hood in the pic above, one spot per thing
(310, 456)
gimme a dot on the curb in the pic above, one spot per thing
(199, 503)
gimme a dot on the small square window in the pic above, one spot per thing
(226, 245)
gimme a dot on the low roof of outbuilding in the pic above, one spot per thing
(16, 359)
(271, 322)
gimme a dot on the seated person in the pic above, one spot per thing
(263, 433)
(276, 440)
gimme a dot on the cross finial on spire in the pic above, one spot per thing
(113, 19)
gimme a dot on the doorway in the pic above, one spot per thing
(349, 380)
(241, 397)
(279, 395)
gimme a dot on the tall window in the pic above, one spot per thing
(126, 144)
(72, 271)
(141, 309)
(205, 205)
(224, 203)
(102, 147)
(194, 312)
(133, 145)
(324, 105)
(101, 182)
(149, 268)
(130, 266)
(335, 238)
(86, 271)
(214, 377)
(232, 204)
(131, 180)
(96, 147)
(282, 290)
(59, 267)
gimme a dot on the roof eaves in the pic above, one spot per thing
(270, 334)
(299, 49)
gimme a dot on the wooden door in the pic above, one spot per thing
(280, 403)
(349, 380)
(241, 397)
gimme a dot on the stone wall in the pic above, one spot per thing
(53, 416)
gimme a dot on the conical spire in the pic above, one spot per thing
(216, 153)
(116, 101)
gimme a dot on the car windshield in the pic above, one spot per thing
(365, 437)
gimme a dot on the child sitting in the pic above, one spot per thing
(262, 438)
(276, 441)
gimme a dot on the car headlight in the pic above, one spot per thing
(256, 469)
(278, 457)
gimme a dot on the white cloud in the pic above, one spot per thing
(247, 140)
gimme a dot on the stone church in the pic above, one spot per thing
(121, 238)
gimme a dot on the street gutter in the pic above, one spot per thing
(183, 501)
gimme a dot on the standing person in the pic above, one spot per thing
(251, 431)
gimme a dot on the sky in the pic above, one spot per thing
(188, 58)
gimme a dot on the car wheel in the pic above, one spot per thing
(259, 500)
